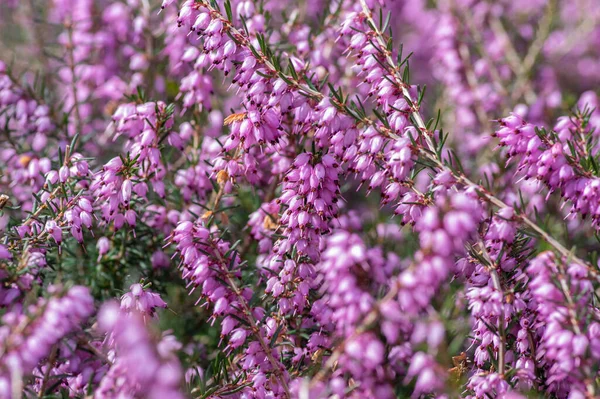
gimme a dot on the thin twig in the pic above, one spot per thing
(223, 264)
(493, 270)
(51, 361)
(71, 57)
(521, 85)
(573, 319)
(465, 55)
(479, 44)
(252, 321)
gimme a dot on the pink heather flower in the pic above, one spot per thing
(142, 301)
(5, 253)
(54, 230)
(63, 173)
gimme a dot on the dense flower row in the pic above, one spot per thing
(563, 160)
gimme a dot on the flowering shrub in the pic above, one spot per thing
(260, 199)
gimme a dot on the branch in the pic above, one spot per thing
(430, 152)
(418, 121)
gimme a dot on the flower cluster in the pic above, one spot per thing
(211, 265)
(310, 193)
(322, 199)
(27, 121)
(563, 160)
(140, 367)
(568, 345)
(113, 187)
(28, 338)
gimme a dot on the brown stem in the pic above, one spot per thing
(522, 68)
(571, 309)
(251, 320)
(223, 266)
(533, 357)
(465, 55)
(53, 194)
(51, 361)
(479, 43)
(71, 60)
(38, 37)
(493, 270)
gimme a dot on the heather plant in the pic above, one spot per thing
(310, 199)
